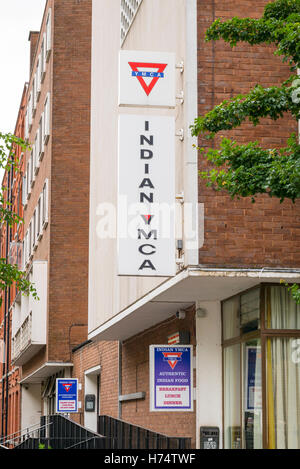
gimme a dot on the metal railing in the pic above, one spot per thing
(123, 435)
(59, 432)
(25, 437)
(66, 434)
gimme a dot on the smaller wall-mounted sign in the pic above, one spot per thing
(180, 337)
(66, 395)
(146, 78)
(171, 378)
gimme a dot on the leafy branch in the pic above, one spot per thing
(249, 169)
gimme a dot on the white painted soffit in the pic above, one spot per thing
(182, 291)
(46, 370)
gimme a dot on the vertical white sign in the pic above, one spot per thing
(147, 78)
(146, 190)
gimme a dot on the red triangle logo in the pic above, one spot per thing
(172, 363)
(147, 218)
(67, 387)
(155, 75)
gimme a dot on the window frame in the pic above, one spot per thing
(264, 334)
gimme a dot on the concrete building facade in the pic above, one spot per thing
(227, 280)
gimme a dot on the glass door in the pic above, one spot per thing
(252, 394)
(283, 392)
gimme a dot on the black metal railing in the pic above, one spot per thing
(65, 434)
(59, 432)
(29, 437)
(123, 435)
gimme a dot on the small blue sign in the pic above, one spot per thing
(66, 395)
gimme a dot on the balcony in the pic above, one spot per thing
(29, 318)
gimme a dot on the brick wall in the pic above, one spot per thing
(104, 354)
(43, 247)
(239, 233)
(66, 166)
(68, 282)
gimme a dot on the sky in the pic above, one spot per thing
(17, 18)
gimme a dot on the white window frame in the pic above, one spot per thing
(30, 250)
(47, 119)
(30, 117)
(25, 251)
(34, 96)
(39, 218)
(43, 59)
(26, 125)
(32, 159)
(41, 138)
(45, 204)
(24, 192)
(28, 182)
(34, 237)
(38, 83)
(48, 35)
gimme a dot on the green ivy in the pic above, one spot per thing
(248, 170)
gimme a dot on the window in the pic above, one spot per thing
(43, 59)
(283, 392)
(34, 94)
(28, 188)
(38, 220)
(32, 158)
(24, 194)
(261, 363)
(38, 79)
(41, 138)
(129, 9)
(30, 239)
(48, 35)
(47, 119)
(277, 302)
(34, 231)
(30, 108)
(45, 204)
(26, 125)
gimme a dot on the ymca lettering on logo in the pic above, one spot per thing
(142, 75)
(67, 386)
(172, 358)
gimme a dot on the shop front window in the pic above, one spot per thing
(261, 369)
(232, 404)
(283, 391)
(281, 310)
(252, 395)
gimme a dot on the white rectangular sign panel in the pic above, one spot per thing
(146, 196)
(147, 78)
